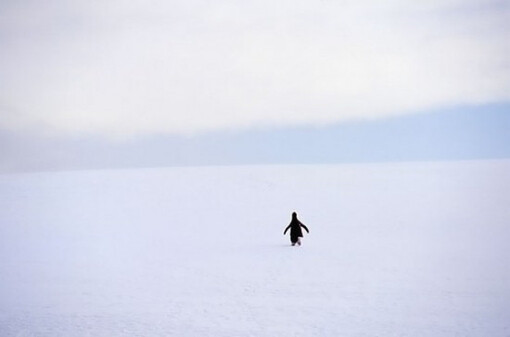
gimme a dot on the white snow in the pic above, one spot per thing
(409, 249)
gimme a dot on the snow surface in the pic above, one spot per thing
(410, 249)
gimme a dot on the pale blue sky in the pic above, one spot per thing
(112, 83)
(462, 133)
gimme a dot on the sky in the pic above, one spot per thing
(116, 79)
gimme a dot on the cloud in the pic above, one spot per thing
(120, 69)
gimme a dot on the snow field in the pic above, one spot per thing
(410, 249)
